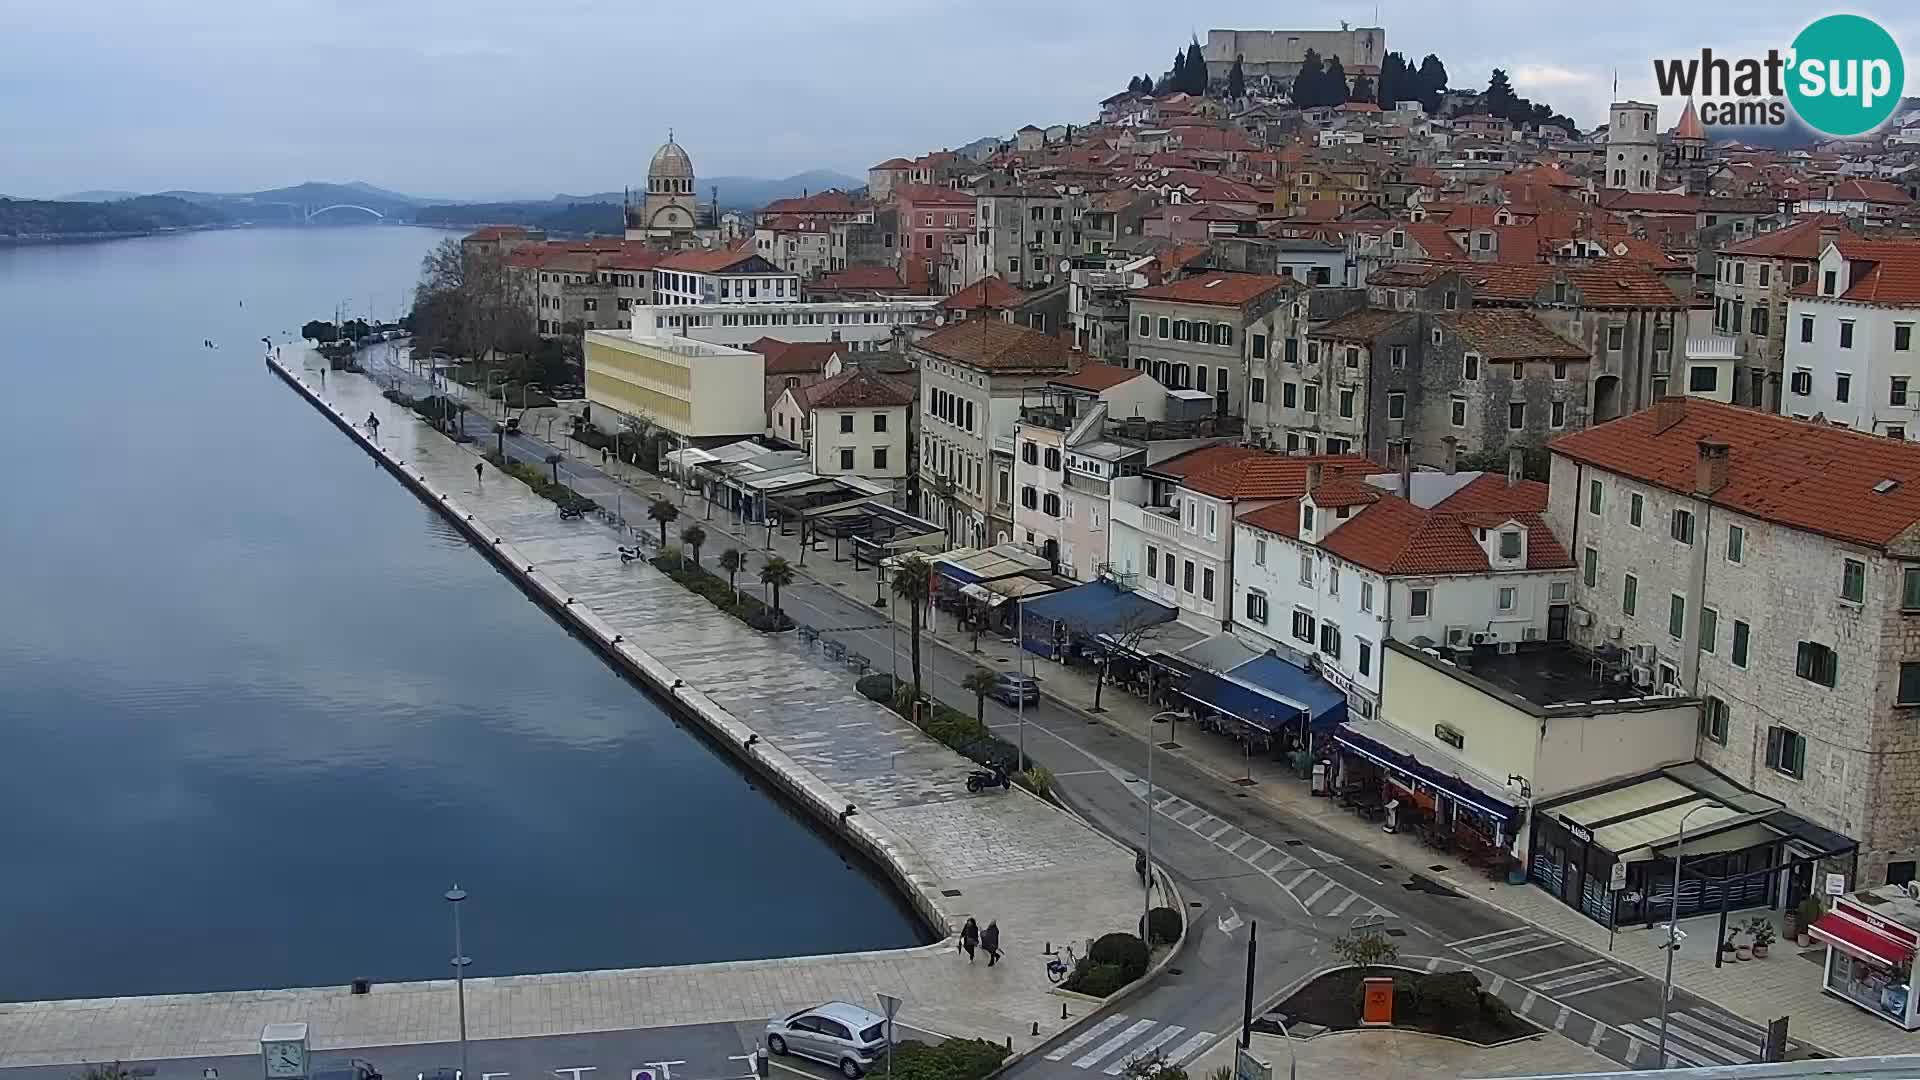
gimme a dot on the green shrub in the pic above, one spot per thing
(1037, 779)
(954, 1059)
(879, 688)
(1164, 926)
(1123, 950)
(1095, 980)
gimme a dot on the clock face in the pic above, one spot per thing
(286, 1059)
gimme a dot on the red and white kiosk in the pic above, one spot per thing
(1871, 937)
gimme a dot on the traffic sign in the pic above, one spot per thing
(889, 1005)
(1618, 879)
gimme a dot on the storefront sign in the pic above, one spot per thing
(1617, 880)
(1377, 1006)
(1452, 736)
(1578, 832)
(1836, 884)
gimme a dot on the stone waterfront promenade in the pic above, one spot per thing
(1043, 874)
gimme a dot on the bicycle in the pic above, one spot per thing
(1060, 965)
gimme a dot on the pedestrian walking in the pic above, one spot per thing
(476, 472)
(990, 941)
(969, 938)
(603, 457)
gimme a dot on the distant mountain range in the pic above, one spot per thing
(30, 220)
(94, 211)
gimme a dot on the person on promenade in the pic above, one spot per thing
(969, 938)
(477, 471)
(990, 941)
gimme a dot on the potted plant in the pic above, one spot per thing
(1760, 929)
(1809, 912)
(1727, 948)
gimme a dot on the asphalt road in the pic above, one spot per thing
(1239, 862)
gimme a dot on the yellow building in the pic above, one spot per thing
(692, 389)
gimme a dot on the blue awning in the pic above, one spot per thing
(1267, 692)
(1399, 752)
(1098, 607)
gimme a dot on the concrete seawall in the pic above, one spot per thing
(805, 791)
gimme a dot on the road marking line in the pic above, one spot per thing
(1265, 850)
(1579, 977)
(1499, 983)
(1735, 1029)
(1633, 1052)
(1087, 1036)
(1486, 947)
(1297, 879)
(1081, 772)
(1334, 859)
(1675, 1049)
(1593, 1037)
(1488, 937)
(1433, 963)
(1551, 972)
(1343, 905)
(1160, 1038)
(1287, 862)
(1600, 986)
(1137, 1029)
(1527, 1003)
(1216, 834)
(1490, 958)
(1318, 893)
(1707, 1035)
(1233, 847)
(1195, 1043)
(1560, 1022)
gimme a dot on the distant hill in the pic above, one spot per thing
(577, 217)
(49, 219)
(98, 195)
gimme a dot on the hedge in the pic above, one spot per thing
(697, 579)
(1114, 961)
(1096, 980)
(954, 1059)
(537, 478)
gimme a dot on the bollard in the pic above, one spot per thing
(1009, 1044)
(760, 1064)
(1063, 1010)
(1036, 1029)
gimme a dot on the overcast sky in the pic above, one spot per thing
(481, 98)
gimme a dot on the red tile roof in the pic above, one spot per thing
(892, 163)
(1510, 335)
(1885, 272)
(1490, 493)
(1800, 240)
(1873, 191)
(991, 293)
(1814, 477)
(497, 232)
(932, 194)
(1216, 288)
(1267, 475)
(795, 357)
(1650, 202)
(1609, 283)
(856, 389)
(995, 345)
(706, 262)
(1098, 377)
(1281, 518)
(863, 277)
(1393, 536)
(1198, 461)
(1362, 325)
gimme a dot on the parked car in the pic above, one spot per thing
(847, 1037)
(1011, 689)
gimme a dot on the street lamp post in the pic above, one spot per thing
(460, 962)
(1673, 926)
(1146, 883)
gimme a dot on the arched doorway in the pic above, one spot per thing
(1050, 551)
(1606, 398)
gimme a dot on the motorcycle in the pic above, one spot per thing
(981, 779)
(629, 554)
(568, 513)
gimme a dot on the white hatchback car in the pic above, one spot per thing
(847, 1037)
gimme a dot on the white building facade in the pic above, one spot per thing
(1851, 356)
(864, 325)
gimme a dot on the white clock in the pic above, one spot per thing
(283, 1050)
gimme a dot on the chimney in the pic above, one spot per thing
(1313, 476)
(1710, 473)
(1516, 465)
(1829, 233)
(1667, 412)
(1453, 454)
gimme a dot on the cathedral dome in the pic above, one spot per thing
(670, 163)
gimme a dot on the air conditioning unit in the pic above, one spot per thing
(1671, 690)
(1533, 633)
(1482, 637)
(1615, 632)
(1457, 635)
(1582, 617)
(1642, 676)
(1508, 648)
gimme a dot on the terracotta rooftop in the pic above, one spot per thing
(1393, 536)
(708, 262)
(795, 357)
(995, 345)
(863, 277)
(1814, 477)
(1268, 475)
(1509, 335)
(1363, 325)
(1800, 240)
(989, 292)
(1200, 460)
(856, 389)
(1884, 272)
(1097, 377)
(1217, 288)
(1609, 283)
(1872, 191)
(497, 232)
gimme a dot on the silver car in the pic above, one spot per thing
(847, 1037)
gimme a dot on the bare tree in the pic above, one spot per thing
(1109, 640)
(642, 429)
(472, 303)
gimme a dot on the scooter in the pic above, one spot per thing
(568, 513)
(628, 554)
(981, 779)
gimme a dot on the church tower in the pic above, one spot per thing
(1633, 147)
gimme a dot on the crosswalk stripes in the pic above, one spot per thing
(1111, 1051)
(1319, 894)
(1702, 1037)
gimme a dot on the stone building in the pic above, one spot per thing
(1751, 283)
(1197, 333)
(1767, 566)
(1633, 147)
(669, 210)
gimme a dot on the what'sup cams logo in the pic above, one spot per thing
(1842, 76)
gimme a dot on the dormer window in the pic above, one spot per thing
(1306, 520)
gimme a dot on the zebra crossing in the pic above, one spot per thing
(1699, 1037)
(1317, 893)
(1101, 1047)
(1571, 980)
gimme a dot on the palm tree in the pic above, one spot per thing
(663, 512)
(731, 561)
(912, 578)
(554, 459)
(693, 536)
(981, 682)
(776, 573)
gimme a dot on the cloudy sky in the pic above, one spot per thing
(483, 98)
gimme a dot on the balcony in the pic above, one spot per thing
(1207, 427)
(1051, 417)
(1159, 521)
